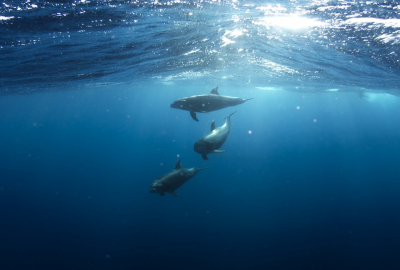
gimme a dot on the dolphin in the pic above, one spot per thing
(173, 180)
(213, 141)
(206, 103)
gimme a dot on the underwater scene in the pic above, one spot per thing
(199, 134)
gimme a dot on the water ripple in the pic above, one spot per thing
(49, 43)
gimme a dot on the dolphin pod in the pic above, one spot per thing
(209, 144)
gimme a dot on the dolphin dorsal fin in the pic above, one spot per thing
(178, 164)
(212, 125)
(215, 91)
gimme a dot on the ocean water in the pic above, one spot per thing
(310, 175)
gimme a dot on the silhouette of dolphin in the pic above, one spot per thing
(213, 141)
(173, 180)
(206, 103)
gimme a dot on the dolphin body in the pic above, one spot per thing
(213, 141)
(173, 180)
(206, 103)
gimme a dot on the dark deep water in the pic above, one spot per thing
(310, 176)
(294, 194)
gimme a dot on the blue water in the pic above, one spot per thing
(310, 175)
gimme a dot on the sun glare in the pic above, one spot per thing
(289, 22)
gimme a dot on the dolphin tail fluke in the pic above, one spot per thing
(204, 156)
(230, 115)
(193, 115)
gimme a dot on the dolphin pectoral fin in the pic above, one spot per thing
(174, 193)
(162, 193)
(218, 151)
(204, 156)
(193, 115)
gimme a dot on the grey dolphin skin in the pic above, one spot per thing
(173, 180)
(206, 103)
(213, 141)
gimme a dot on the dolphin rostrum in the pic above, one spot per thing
(173, 180)
(206, 103)
(213, 141)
